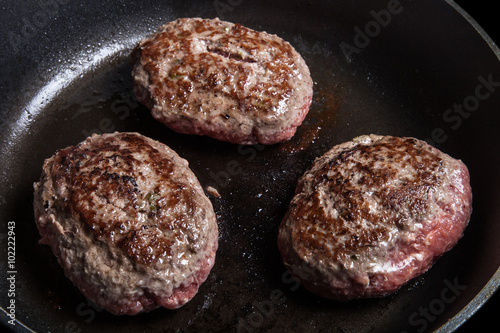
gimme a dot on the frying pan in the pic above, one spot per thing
(403, 68)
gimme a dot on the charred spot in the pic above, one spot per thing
(129, 179)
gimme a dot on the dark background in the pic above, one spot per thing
(486, 14)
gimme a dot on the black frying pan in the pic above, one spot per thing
(380, 67)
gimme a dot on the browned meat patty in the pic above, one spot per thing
(373, 213)
(216, 78)
(128, 222)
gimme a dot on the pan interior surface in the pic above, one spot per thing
(400, 68)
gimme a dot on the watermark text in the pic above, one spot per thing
(11, 272)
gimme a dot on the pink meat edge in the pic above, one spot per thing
(186, 126)
(442, 234)
(143, 303)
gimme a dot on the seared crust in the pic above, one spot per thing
(128, 222)
(216, 78)
(372, 214)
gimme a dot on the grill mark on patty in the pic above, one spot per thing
(102, 179)
(229, 55)
(218, 74)
(354, 181)
(216, 67)
(373, 213)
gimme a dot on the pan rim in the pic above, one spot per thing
(493, 283)
(473, 306)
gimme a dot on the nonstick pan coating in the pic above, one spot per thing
(402, 68)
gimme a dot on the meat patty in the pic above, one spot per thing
(373, 213)
(128, 222)
(216, 78)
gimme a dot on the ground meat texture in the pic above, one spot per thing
(373, 213)
(128, 222)
(223, 80)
